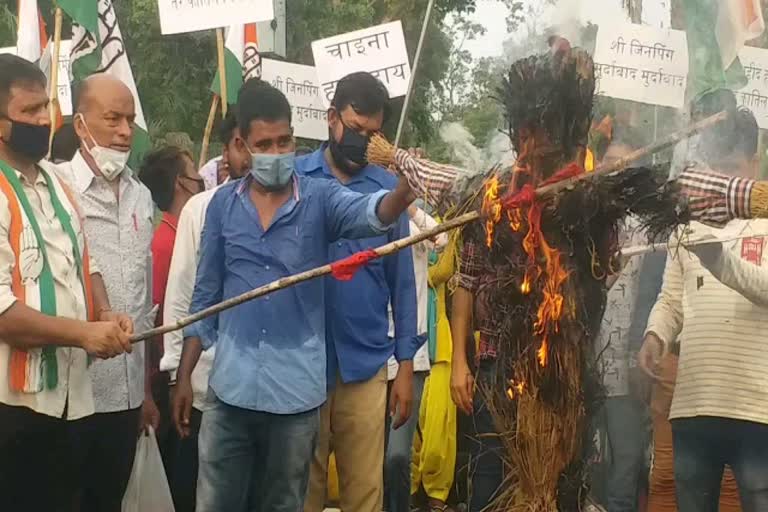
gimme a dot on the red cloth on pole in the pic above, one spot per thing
(344, 270)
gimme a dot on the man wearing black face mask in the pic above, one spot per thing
(358, 323)
(49, 290)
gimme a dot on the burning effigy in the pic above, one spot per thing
(549, 258)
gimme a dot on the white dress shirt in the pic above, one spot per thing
(419, 222)
(119, 234)
(178, 294)
(73, 391)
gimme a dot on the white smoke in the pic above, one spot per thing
(470, 157)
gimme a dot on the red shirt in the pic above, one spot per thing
(162, 250)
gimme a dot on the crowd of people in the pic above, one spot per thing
(357, 380)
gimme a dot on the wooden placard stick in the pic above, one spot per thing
(53, 87)
(449, 225)
(208, 130)
(222, 71)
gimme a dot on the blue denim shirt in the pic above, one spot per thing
(270, 352)
(358, 320)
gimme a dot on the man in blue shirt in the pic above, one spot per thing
(358, 322)
(269, 377)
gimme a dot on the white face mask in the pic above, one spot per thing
(111, 162)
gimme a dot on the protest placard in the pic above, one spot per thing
(755, 95)
(379, 50)
(177, 16)
(301, 88)
(64, 87)
(640, 63)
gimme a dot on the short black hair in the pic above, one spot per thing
(747, 134)
(159, 171)
(16, 71)
(227, 128)
(65, 143)
(260, 101)
(364, 93)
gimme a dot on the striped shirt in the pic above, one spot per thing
(723, 368)
(713, 198)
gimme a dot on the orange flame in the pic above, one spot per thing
(491, 208)
(525, 288)
(542, 354)
(518, 387)
(515, 219)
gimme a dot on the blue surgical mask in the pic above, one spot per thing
(273, 172)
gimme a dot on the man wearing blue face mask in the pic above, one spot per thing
(358, 332)
(269, 375)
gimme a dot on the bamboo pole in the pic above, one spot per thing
(53, 87)
(208, 130)
(222, 71)
(449, 225)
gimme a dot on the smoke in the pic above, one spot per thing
(470, 157)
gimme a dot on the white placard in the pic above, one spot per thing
(64, 87)
(379, 50)
(755, 95)
(301, 88)
(177, 16)
(639, 63)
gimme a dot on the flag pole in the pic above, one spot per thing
(208, 130)
(411, 81)
(222, 71)
(53, 87)
(398, 245)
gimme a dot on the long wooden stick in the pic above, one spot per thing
(208, 130)
(53, 88)
(412, 80)
(222, 71)
(449, 225)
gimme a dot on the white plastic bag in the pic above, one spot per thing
(148, 489)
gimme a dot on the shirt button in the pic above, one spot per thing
(339, 244)
(263, 331)
(266, 268)
(266, 298)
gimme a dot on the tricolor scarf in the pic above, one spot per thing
(34, 370)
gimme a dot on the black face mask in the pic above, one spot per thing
(351, 148)
(29, 140)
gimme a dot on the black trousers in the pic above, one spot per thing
(105, 445)
(182, 465)
(36, 462)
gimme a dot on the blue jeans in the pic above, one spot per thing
(625, 424)
(703, 446)
(486, 468)
(397, 459)
(254, 461)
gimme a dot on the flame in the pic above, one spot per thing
(542, 354)
(491, 208)
(515, 219)
(515, 387)
(525, 288)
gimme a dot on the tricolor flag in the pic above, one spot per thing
(717, 30)
(241, 60)
(97, 47)
(30, 37)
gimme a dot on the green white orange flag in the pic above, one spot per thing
(241, 60)
(30, 37)
(717, 31)
(97, 47)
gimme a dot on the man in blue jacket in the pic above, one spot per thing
(358, 323)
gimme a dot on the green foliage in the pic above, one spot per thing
(173, 72)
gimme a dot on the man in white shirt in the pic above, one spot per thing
(182, 470)
(118, 215)
(48, 290)
(714, 303)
